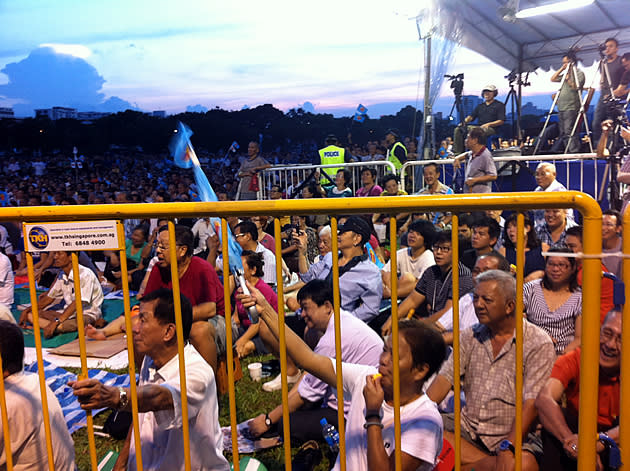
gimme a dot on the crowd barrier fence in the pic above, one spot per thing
(589, 180)
(580, 172)
(592, 219)
(293, 175)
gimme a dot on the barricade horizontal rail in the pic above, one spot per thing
(589, 208)
(589, 181)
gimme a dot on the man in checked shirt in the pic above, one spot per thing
(487, 370)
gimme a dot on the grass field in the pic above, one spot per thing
(251, 400)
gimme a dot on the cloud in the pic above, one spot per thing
(114, 104)
(308, 107)
(46, 78)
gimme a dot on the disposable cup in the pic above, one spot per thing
(255, 371)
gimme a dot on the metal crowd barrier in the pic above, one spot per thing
(292, 175)
(592, 243)
(590, 181)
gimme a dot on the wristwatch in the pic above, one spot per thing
(268, 421)
(123, 399)
(506, 445)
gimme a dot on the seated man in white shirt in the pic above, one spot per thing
(24, 411)
(412, 260)
(65, 320)
(159, 394)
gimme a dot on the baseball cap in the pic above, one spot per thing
(358, 225)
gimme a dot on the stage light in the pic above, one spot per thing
(552, 8)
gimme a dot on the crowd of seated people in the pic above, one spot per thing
(425, 263)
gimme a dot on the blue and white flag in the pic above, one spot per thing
(184, 156)
(361, 109)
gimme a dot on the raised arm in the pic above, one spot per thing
(318, 365)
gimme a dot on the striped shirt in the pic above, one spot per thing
(437, 286)
(559, 324)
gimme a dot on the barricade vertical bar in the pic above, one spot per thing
(83, 352)
(518, 390)
(456, 357)
(337, 306)
(133, 389)
(172, 248)
(286, 427)
(40, 358)
(624, 395)
(395, 341)
(589, 362)
(230, 352)
(338, 360)
(5, 421)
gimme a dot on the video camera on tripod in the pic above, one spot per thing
(514, 77)
(457, 83)
(615, 109)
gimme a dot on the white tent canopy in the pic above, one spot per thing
(540, 41)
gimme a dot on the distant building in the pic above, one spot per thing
(91, 115)
(56, 112)
(158, 114)
(530, 108)
(469, 103)
(6, 113)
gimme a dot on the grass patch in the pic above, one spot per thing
(251, 400)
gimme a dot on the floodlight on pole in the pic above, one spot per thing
(553, 8)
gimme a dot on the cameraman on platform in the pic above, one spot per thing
(568, 102)
(490, 115)
(610, 68)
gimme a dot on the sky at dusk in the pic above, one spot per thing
(198, 54)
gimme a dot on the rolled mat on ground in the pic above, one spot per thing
(57, 380)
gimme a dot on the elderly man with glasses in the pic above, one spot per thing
(560, 424)
(199, 282)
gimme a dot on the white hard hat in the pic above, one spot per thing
(490, 88)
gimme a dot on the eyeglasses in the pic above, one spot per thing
(164, 247)
(562, 266)
(607, 335)
(441, 248)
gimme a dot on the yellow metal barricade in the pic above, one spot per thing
(455, 203)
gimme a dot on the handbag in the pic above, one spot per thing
(253, 183)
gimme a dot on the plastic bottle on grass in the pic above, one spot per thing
(330, 434)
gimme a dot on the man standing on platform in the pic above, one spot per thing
(610, 68)
(568, 103)
(490, 115)
(480, 168)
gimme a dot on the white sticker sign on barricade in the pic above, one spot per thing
(67, 236)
